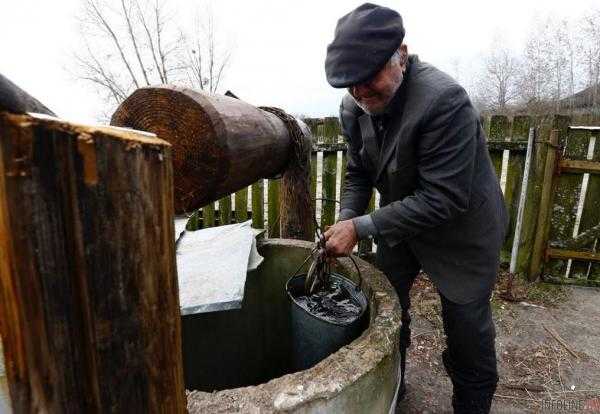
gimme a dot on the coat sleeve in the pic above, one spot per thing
(446, 151)
(357, 190)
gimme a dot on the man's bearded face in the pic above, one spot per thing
(374, 95)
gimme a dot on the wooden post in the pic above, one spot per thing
(88, 285)
(296, 207)
(543, 221)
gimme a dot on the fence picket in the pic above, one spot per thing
(514, 179)
(331, 130)
(499, 128)
(225, 210)
(273, 208)
(258, 204)
(208, 215)
(241, 205)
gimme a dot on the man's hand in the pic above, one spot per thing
(340, 238)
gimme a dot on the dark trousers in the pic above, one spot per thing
(470, 355)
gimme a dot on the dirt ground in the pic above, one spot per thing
(548, 348)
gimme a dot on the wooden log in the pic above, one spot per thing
(16, 100)
(220, 144)
(544, 212)
(88, 283)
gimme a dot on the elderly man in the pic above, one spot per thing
(413, 134)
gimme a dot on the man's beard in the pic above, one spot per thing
(381, 110)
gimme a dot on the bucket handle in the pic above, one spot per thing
(358, 272)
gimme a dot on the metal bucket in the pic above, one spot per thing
(314, 338)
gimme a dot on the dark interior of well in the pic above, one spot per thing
(247, 346)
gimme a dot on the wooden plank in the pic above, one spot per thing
(499, 128)
(208, 215)
(532, 204)
(88, 282)
(571, 281)
(241, 205)
(273, 208)
(493, 146)
(566, 197)
(329, 147)
(514, 178)
(572, 254)
(366, 246)
(258, 204)
(579, 166)
(331, 130)
(501, 146)
(194, 222)
(544, 212)
(585, 128)
(225, 210)
(313, 126)
(590, 215)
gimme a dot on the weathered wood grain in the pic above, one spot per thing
(88, 285)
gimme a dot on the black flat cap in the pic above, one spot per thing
(365, 39)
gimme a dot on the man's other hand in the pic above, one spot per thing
(341, 238)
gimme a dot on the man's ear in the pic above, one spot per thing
(403, 54)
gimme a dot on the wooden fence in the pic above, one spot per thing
(507, 145)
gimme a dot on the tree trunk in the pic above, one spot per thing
(88, 285)
(16, 100)
(220, 144)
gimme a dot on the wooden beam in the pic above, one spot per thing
(543, 221)
(16, 100)
(88, 285)
(220, 144)
(579, 166)
(552, 253)
(587, 237)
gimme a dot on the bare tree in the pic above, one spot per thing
(590, 52)
(497, 85)
(205, 58)
(537, 74)
(127, 44)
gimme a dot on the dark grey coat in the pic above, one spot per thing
(440, 197)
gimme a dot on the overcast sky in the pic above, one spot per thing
(279, 46)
